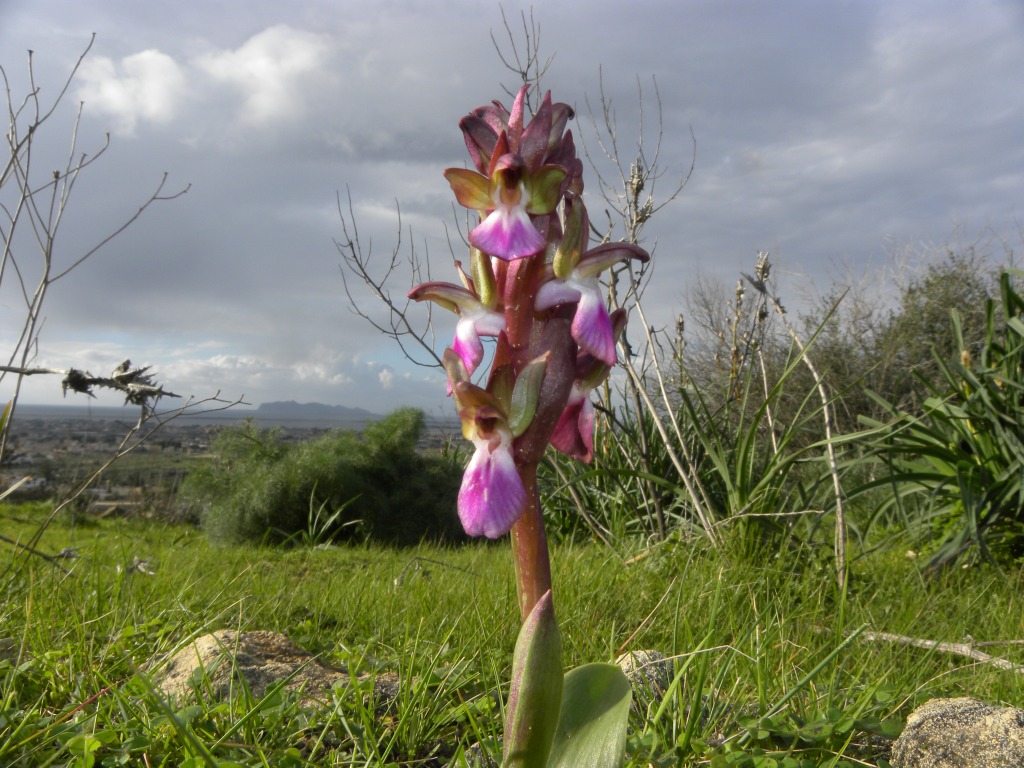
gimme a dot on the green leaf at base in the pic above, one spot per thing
(592, 722)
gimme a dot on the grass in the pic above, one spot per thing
(766, 671)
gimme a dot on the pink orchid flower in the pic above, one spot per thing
(591, 324)
(540, 142)
(507, 199)
(574, 433)
(492, 496)
(475, 319)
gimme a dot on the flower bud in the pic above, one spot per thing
(536, 694)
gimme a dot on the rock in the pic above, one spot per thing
(648, 672)
(475, 757)
(10, 650)
(650, 675)
(961, 733)
(227, 661)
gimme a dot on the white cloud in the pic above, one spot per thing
(386, 377)
(146, 86)
(321, 370)
(271, 71)
(230, 373)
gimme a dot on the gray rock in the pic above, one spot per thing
(648, 671)
(961, 733)
(10, 650)
(227, 662)
(651, 675)
(474, 757)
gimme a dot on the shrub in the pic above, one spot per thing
(872, 342)
(258, 489)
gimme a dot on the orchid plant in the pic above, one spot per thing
(533, 286)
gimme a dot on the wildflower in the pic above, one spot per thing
(506, 199)
(476, 319)
(528, 256)
(573, 434)
(544, 140)
(591, 324)
(492, 496)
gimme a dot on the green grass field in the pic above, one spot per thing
(748, 641)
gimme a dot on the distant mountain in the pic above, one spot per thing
(293, 411)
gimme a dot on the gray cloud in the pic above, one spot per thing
(823, 132)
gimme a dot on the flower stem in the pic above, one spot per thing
(530, 546)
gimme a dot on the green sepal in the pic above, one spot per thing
(454, 367)
(543, 189)
(593, 718)
(483, 278)
(471, 189)
(536, 693)
(501, 384)
(570, 247)
(454, 298)
(525, 395)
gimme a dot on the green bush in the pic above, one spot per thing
(867, 342)
(258, 489)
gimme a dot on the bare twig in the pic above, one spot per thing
(968, 650)
(33, 216)
(632, 201)
(687, 471)
(525, 65)
(32, 212)
(158, 195)
(416, 343)
(51, 559)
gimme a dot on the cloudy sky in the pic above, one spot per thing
(830, 133)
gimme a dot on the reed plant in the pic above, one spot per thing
(742, 458)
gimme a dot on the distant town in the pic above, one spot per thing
(54, 448)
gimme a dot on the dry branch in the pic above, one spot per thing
(957, 649)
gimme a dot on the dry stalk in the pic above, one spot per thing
(39, 205)
(760, 283)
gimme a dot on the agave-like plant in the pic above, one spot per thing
(961, 461)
